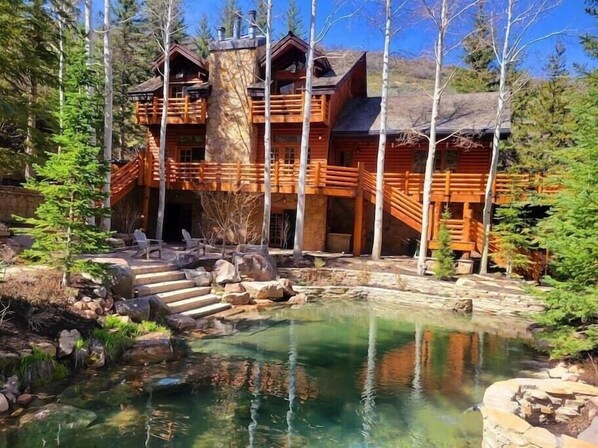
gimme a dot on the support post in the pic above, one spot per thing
(467, 214)
(145, 212)
(317, 176)
(358, 222)
(186, 110)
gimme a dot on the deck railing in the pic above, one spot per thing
(180, 111)
(289, 109)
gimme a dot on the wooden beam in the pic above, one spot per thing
(358, 219)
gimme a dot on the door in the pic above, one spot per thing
(176, 218)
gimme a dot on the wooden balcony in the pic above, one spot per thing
(180, 111)
(289, 109)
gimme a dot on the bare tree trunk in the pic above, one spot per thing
(108, 104)
(267, 130)
(309, 75)
(31, 120)
(379, 212)
(500, 106)
(61, 61)
(164, 120)
(437, 96)
(89, 52)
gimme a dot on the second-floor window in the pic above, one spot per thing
(443, 161)
(177, 91)
(192, 154)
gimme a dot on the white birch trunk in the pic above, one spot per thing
(500, 106)
(31, 120)
(267, 130)
(89, 53)
(61, 61)
(166, 35)
(309, 74)
(379, 210)
(437, 96)
(108, 103)
(368, 395)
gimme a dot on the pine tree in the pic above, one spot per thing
(544, 123)
(513, 235)
(228, 13)
(293, 21)
(444, 265)
(481, 74)
(203, 37)
(570, 233)
(70, 181)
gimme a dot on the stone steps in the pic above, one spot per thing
(153, 268)
(170, 286)
(161, 287)
(207, 310)
(182, 294)
(158, 277)
(193, 304)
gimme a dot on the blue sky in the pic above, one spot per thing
(415, 39)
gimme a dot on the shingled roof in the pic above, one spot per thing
(467, 113)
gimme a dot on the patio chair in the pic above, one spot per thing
(145, 245)
(198, 244)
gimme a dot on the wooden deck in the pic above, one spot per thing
(180, 111)
(402, 191)
(289, 109)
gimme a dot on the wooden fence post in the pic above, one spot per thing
(358, 220)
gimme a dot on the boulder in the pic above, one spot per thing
(100, 292)
(465, 282)
(287, 287)
(180, 322)
(4, 404)
(15, 246)
(299, 299)
(224, 272)
(199, 276)
(158, 309)
(108, 304)
(260, 267)
(96, 355)
(96, 307)
(186, 260)
(120, 281)
(234, 288)
(237, 298)
(24, 400)
(137, 309)
(66, 342)
(264, 290)
(150, 348)
(44, 347)
(463, 306)
(34, 427)
(590, 434)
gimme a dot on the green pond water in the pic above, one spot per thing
(333, 374)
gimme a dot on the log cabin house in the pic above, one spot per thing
(215, 142)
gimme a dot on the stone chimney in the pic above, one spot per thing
(233, 67)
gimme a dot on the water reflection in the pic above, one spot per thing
(329, 375)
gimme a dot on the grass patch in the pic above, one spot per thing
(39, 368)
(117, 335)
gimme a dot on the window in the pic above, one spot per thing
(189, 155)
(273, 155)
(177, 91)
(443, 161)
(192, 140)
(289, 155)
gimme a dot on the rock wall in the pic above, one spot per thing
(17, 201)
(513, 409)
(423, 292)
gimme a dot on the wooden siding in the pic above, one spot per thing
(354, 85)
(172, 139)
(318, 141)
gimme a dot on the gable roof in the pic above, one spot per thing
(178, 49)
(473, 113)
(291, 41)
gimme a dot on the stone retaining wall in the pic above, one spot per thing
(417, 291)
(512, 408)
(17, 201)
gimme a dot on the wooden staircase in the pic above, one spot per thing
(124, 180)
(179, 295)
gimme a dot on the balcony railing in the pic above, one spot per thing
(180, 111)
(289, 109)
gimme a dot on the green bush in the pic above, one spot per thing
(39, 368)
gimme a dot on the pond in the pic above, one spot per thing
(327, 374)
